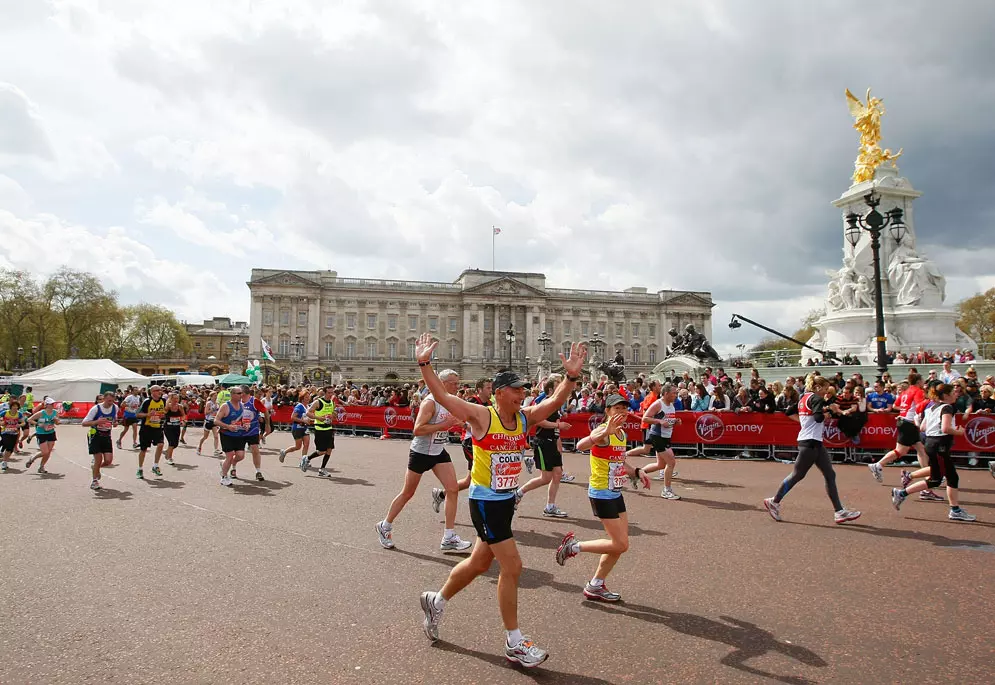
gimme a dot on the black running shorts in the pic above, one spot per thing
(251, 440)
(420, 463)
(8, 441)
(232, 443)
(547, 455)
(172, 435)
(45, 437)
(658, 444)
(492, 519)
(298, 432)
(324, 440)
(100, 444)
(607, 508)
(908, 434)
(148, 437)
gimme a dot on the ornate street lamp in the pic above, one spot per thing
(544, 363)
(873, 222)
(20, 359)
(34, 356)
(298, 346)
(509, 335)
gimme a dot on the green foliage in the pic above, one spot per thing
(977, 316)
(73, 312)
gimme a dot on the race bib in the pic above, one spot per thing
(616, 476)
(440, 437)
(506, 467)
(104, 425)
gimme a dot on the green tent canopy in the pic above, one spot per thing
(230, 379)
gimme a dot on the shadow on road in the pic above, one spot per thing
(50, 476)
(938, 540)
(706, 483)
(635, 530)
(977, 491)
(716, 504)
(341, 480)
(263, 488)
(748, 640)
(108, 493)
(163, 484)
(183, 467)
(539, 675)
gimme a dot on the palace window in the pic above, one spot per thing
(371, 350)
(350, 321)
(433, 323)
(635, 329)
(412, 323)
(329, 350)
(411, 349)
(284, 317)
(350, 350)
(267, 317)
(618, 329)
(392, 322)
(392, 349)
(453, 349)
(283, 348)
(452, 324)
(330, 321)
(371, 321)
(302, 318)
(585, 328)
(652, 355)
(652, 331)
(635, 355)
(566, 327)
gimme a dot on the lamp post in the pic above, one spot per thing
(527, 360)
(34, 356)
(509, 335)
(874, 222)
(298, 346)
(20, 359)
(544, 363)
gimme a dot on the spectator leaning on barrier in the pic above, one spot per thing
(880, 401)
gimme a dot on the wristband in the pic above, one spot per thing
(428, 363)
(573, 379)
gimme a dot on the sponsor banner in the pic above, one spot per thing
(710, 428)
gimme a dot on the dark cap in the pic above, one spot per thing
(615, 399)
(509, 379)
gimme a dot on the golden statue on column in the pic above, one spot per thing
(867, 120)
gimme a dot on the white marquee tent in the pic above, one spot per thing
(77, 380)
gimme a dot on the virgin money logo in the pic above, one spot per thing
(709, 428)
(390, 417)
(980, 432)
(339, 415)
(832, 435)
(595, 421)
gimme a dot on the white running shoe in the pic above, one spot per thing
(554, 512)
(455, 544)
(961, 515)
(773, 508)
(844, 515)
(526, 653)
(322, 473)
(283, 455)
(3, 467)
(567, 478)
(433, 615)
(438, 497)
(668, 493)
(30, 461)
(304, 464)
(660, 476)
(386, 540)
(226, 481)
(530, 464)
(94, 484)
(876, 471)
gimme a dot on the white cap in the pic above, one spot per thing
(49, 400)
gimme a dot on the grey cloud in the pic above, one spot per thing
(21, 130)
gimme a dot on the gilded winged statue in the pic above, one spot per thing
(867, 120)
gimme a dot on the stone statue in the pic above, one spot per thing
(842, 285)
(911, 277)
(614, 371)
(867, 120)
(863, 293)
(691, 343)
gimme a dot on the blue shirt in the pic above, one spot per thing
(879, 400)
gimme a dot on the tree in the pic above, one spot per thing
(154, 332)
(977, 316)
(81, 303)
(19, 295)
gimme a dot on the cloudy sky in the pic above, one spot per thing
(170, 147)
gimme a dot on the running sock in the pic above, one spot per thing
(903, 492)
(450, 533)
(514, 637)
(955, 508)
(440, 601)
(550, 507)
(324, 460)
(313, 455)
(597, 582)
(385, 525)
(575, 548)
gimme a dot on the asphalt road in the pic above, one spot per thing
(180, 580)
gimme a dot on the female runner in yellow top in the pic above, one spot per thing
(609, 472)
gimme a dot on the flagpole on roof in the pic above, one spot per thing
(494, 231)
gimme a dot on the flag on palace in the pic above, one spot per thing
(267, 351)
(497, 231)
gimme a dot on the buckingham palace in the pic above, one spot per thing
(320, 325)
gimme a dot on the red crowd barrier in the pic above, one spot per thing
(710, 428)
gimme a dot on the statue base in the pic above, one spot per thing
(677, 365)
(907, 328)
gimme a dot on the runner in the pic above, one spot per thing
(101, 420)
(44, 422)
(234, 423)
(189, 405)
(811, 451)
(151, 414)
(548, 456)
(175, 418)
(322, 414)
(939, 425)
(498, 453)
(254, 409)
(24, 412)
(10, 429)
(608, 473)
(661, 418)
(210, 430)
(483, 398)
(428, 452)
(298, 426)
(130, 406)
(909, 404)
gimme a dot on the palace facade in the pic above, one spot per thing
(365, 329)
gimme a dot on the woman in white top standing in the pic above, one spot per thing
(811, 451)
(939, 426)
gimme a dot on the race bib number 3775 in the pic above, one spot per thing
(505, 469)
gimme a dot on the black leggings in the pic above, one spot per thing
(941, 464)
(812, 452)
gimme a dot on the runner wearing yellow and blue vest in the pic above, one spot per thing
(500, 438)
(609, 471)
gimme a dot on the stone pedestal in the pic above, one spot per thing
(912, 288)
(676, 366)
